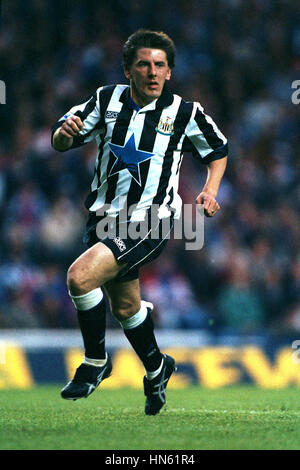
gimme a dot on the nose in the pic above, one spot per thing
(152, 70)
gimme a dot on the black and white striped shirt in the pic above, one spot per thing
(140, 150)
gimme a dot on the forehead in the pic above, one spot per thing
(149, 54)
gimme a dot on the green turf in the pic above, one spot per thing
(194, 418)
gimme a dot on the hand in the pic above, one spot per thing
(71, 127)
(209, 203)
(63, 136)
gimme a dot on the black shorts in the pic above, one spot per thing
(136, 251)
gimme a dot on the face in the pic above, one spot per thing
(147, 75)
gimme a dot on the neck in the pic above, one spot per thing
(140, 100)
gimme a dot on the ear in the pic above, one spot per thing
(127, 72)
(169, 74)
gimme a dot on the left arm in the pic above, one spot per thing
(207, 197)
(210, 146)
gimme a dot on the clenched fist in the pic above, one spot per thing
(63, 136)
(72, 126)
(209, 203)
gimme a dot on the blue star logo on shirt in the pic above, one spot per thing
(128, 157)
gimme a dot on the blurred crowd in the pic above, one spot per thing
(239, 58)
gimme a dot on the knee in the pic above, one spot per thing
(125, 309)
(76, 281)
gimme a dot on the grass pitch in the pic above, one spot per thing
(195, 418)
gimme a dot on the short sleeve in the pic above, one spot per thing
(203, 137)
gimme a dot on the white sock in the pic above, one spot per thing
(136, 319)
(152, 374)
(95, 362)
(87, 301)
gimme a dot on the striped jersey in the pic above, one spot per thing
(140, 149)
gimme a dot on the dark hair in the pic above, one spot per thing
(151, 39)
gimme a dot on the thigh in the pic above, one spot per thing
(124, 297)
(136, 251)
(92, 269)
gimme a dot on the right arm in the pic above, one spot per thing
(78, 126)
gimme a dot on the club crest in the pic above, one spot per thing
(165, 126)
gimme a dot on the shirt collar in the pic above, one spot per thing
(132, 104)
(165, 99)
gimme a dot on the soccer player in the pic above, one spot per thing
(142, 130)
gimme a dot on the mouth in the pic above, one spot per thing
(153, 85)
